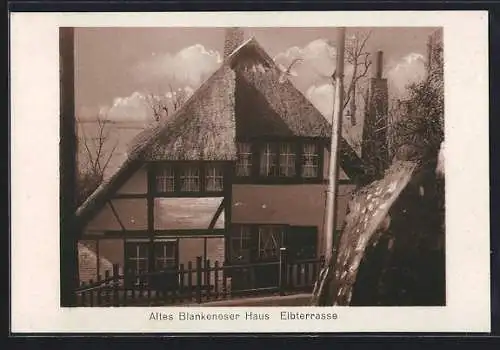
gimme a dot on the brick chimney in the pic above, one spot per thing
(374, 148)
(233, 39)
(434, 61)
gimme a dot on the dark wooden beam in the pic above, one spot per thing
(285, 181)
(188, 194)
(219, 211)
(130, 195)
(68, 144)
(156, 233)
(115, 213)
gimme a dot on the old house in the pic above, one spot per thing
(239, 171)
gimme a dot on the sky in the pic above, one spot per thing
(116, 68)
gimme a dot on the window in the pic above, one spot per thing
(287, 160)
(268, 160)
(138, 263)
(302, 242)
(310, 160)
(164, 254)
(137, 255)
(190, 179)
(214, 179)
(241, 244)
(270, 240)
(244, 162)
(165, 180)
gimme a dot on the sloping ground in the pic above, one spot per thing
(303, 299)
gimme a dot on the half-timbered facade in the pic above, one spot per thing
(239, 171)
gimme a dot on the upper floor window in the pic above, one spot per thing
(310, 160)
(190, 179)
(214, 178)
(165, 180)
(287, 159)
(172, 179)
(244, 162)
(268, 160)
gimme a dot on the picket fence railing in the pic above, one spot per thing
(200, 283)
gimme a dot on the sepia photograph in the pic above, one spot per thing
(278, 166)
(259, 172)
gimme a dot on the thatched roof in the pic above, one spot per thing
(203, 129)
(247, 96)
(267, 103)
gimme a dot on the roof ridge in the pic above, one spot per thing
(232, 54)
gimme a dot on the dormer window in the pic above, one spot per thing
(185, 178)
(190, 179)
(268, 160)
(214, 176)
(287, 160)
(244, 162)
(310, 160)
(284, 161)
(165, 180)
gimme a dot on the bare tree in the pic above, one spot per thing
(162, 105)
(358, 58)
(98, 151)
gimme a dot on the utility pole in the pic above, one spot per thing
(68, 144)
(333, 171)
(320, 292)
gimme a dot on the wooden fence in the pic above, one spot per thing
(200, 283)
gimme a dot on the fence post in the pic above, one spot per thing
(283, 280)
(91, 293)
(216, 279)
(181, 280)
(116, 282)
(190, 280)
(99, 279)
(198, 279)
(224, 280)
(207, 277)
(106, 287)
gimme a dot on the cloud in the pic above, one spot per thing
(129, 108)
(136, 106)
(321, 97)
(190, 66)
(399, 73)
(316, 65)
(409, 69)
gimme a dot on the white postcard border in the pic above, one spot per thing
(35, 180)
